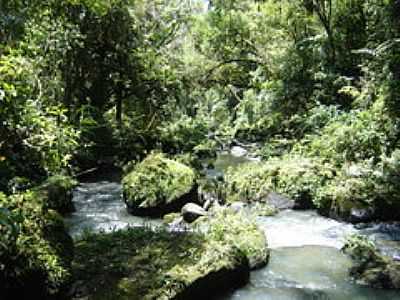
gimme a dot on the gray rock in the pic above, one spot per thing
(207, 204)
(191, 211)
(237, 206)
(361, 215)
(279, 202)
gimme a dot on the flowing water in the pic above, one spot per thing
(305, 263)
(99, 207)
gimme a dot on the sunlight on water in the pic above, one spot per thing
(99, 207)
(297, 228)
(306, 262)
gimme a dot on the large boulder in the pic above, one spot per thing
(160, 265)
(279, 202)
(214, 256)
(158, 185)
(191, 211)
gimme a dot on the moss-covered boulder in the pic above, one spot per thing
(58, 190)
(147, 264)
(215, 256)
(371, 267)
(238, 229)
(35, 249)
(158, 185)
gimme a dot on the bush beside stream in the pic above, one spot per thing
(35, 249)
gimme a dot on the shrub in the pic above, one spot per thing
(294, 176)
(364, 186)
(35, 250)
(354, 136)
(183, 135)
(58, 189)
(353, 187)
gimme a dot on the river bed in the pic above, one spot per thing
(306, 261)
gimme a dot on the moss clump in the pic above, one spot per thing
(58, 189)
(264, 210)
(241, 231)
(296, 177)
(147, 264)
(371, 267)
(35, 250)
(158, 185)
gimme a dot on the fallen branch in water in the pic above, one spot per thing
(85, 172)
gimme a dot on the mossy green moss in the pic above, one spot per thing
(296, 177)
(345, 193)
(58, 190)
(145, 264)
(371, 267)
(158, 185)
(36, 254)
(364, 186)
(240, 230)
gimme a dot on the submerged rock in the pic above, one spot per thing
(158, 186)
(191, 211)
(371, 267)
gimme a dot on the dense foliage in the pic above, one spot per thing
(83, 83)
(36, 251)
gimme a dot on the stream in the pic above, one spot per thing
(306, 261)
